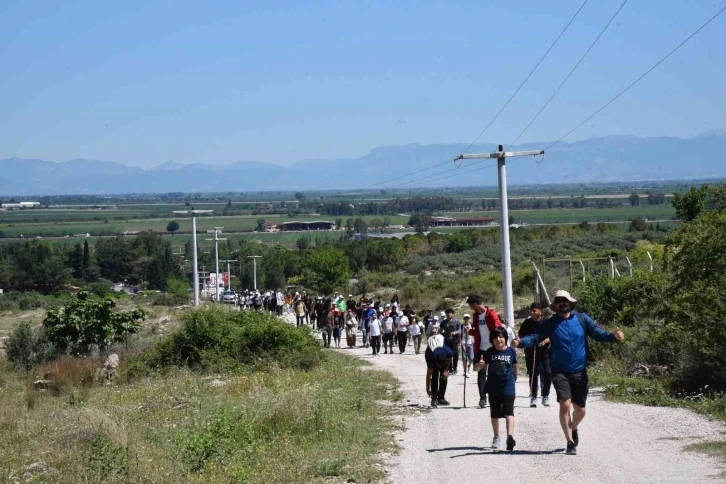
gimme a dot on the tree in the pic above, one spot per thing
(688, 205)
(420, 222)
(87, 272)
(86, 323)
(339, 223)
(300, 195)
(172, 226)
(260, 225)
(303, 242)
(325, 269)
(634, 199)
(229, 203)
(637, 224)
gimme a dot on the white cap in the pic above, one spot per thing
(467, 316)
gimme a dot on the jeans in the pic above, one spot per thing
(364, 334)
(455, 360)
(327, 332)
(467, 353)
(438, 384)
(417, 343)
(402, 340)
(481, 378)
(376, 344)
(300, 320)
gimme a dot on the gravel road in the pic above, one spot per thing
(618, 442)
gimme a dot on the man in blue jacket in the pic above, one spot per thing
(567, 331)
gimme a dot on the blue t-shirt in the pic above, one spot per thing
(500, 371)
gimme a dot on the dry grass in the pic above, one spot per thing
(278, 426)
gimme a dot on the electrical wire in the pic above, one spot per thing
(569, 75)
(638, 79)
(525, 79)
(500, 110)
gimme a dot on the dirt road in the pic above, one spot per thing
(618, 442)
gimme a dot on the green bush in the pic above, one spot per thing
(27, 347)
(223, 339)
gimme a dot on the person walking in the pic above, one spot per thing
(451, 329)
(388, 326)
(501, 363)
(428, 320)
(415, 329)
(338, 325)
(374, 328)
(467, 343)
(367, 315)
(326, 326)
(537, 359)
(567, 331)
(402, 324)
(280, 302)
(300, 311)
(485, 320)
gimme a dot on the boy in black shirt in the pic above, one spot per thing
(537, 359)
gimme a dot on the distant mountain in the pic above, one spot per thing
(609, 158)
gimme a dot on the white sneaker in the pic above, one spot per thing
(546, 401)
(495, 443)
(533, 402)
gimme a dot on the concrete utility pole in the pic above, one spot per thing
(195, 270)
(254, 270)
(501, 155)
(216, 240)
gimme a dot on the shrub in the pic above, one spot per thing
(27, 347)
(220, 338)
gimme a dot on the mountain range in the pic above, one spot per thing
(603, 159)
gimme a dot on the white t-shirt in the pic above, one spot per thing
(402, 324)
(484, 333)
(415, 329)
(467, 339)
(374, 327)
(388, 325)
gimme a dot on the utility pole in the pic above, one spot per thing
(501, 156)
(216, 240)
(254, 267)
(195, 269)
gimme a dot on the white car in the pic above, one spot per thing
(228, 297)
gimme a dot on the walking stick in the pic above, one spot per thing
(534, 369)
(464, 359)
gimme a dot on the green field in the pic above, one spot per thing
(592, 215)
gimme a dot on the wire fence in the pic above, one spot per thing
(564, 274)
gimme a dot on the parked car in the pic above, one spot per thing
(228, 297)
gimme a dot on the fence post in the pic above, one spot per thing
(583, 272)
(630, 265)
(651, 260)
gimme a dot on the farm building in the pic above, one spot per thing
(460, 222)
(314, 225)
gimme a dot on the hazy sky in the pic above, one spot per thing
(278, 81)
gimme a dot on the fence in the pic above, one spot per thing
(557, 274)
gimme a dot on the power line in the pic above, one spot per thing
(638, 79)
(500, 110)
(478, 168)
(570, 74)
(525, 79)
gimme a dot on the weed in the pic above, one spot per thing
(107, 459)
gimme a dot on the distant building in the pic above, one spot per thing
(460, 222)
(271, 227)
(21, 205)
(304, 226)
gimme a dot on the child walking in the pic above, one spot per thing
(501, 361)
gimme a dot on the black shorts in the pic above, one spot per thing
(571, 386)
(430, 360)
(387, 337)
(501, 405)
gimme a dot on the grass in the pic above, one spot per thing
(592, 215)
(715, 449)
(275, 426)
(652, 392)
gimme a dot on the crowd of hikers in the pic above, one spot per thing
(555, 348)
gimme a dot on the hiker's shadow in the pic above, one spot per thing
(489, 451)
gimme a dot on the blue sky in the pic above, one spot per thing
(217, 82)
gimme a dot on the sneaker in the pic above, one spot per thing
(533, 402)
(510, 443)
(575, 437)
(546, 401)
(443, 401)
(483, 403)
(571, 449)
(495, 443)
(434, 403)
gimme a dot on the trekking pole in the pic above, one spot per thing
(534, 368)
(466, 364)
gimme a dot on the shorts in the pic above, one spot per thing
(501, 406)
(430, 360)
(571, 386)
(387, 337)
(336, 332)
